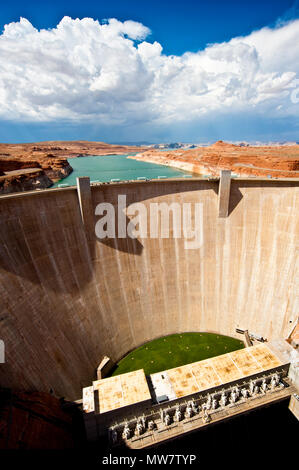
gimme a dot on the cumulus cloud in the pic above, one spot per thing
(111, 73)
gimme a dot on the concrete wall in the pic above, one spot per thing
(67, 298)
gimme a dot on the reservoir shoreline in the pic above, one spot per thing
(117, 167)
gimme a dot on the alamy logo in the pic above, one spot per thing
(2, 352)
(152, 220)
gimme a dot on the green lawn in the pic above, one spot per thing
(176, 350)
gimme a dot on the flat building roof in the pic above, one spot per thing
(132, 388)
(209, 373)
(117, 392)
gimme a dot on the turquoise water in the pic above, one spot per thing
(116, 167)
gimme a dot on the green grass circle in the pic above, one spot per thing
(176, 350)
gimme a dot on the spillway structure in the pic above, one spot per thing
(69, 298)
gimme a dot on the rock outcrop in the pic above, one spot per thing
(47, 161)
(34, 420)
(275, 161)
(24, 180)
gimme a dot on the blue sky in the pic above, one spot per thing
(168, 70)
(180, 25)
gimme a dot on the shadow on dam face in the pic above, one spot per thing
(68, 298)
(40, 227)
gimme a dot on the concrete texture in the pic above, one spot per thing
(122, 390)
(210, 373)
(294, 405)
(224, 193)
(84, 197)
(67, 298)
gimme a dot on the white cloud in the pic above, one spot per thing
(85, 70)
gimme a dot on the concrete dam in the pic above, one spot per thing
(69, 298)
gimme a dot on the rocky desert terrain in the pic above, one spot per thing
(37, 165)
(244, 160)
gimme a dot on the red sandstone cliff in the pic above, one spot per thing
(63, 149)
(24, 180)
(34, 420)
(278, 161)
(47, 162)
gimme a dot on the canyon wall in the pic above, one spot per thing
(24, 180)
(275, 161)
(68, 298)
(50, 158)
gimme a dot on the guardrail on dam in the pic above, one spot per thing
(68, 298)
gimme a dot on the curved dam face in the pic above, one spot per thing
(68, 298)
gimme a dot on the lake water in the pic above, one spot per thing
(109, 167)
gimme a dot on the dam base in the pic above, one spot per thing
(139, 412)
(178, 430)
